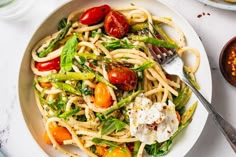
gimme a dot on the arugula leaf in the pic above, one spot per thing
(112, 124)
(101, 117)
(70, 113)
(81, 118)
(158, 149)
(109, 143)
(94, 33)
(145, 65)
(84, 89)
(62, 24)
(68, 53)
(55, 41)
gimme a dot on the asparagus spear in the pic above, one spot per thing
(122, 103)
(183, 97)
(187, 115)
(153, 41)
(67, 76)
(55, 41)
(66, 87)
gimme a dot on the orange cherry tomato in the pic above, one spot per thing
(59, 133)
(100, 150)
(102, 95)
(178, 116)
(117, 152)
(45, 84)
(115, 24)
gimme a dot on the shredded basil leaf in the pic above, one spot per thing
(68, 53)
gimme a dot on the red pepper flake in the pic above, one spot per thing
(203, 14)
(199, 16)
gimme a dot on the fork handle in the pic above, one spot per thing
(227, 129)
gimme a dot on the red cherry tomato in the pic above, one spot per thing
(115, 24)
(124, 78)
(53, 64)
(94, 15)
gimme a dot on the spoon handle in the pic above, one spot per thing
(227, 129)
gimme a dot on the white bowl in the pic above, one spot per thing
(185, 140)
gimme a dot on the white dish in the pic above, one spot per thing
(220, 4)
(185, 140)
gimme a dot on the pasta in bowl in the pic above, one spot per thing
(98, 88)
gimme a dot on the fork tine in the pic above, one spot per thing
(163, 55)
(167, 52)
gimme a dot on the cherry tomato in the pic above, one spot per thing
(94, 15)
(102, 95)
(117, 152)
(100, 150)
(45, 84)
(123, 77)
(115, 24)
(53, 64)
(59, 133)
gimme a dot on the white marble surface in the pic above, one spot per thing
(214, 30)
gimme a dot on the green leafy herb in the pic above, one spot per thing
(101, 117)
(145, 65)
(112, 124)
(69, 113)
(93, 149)
(158, 149)
(68, 53)
(84, 89)
(94, 33)
(82, 60)
(62, 24)
(109, 143)
(55, 41)
(81, 118)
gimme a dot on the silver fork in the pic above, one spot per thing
(173, 64)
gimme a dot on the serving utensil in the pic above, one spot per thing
(172, 64)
